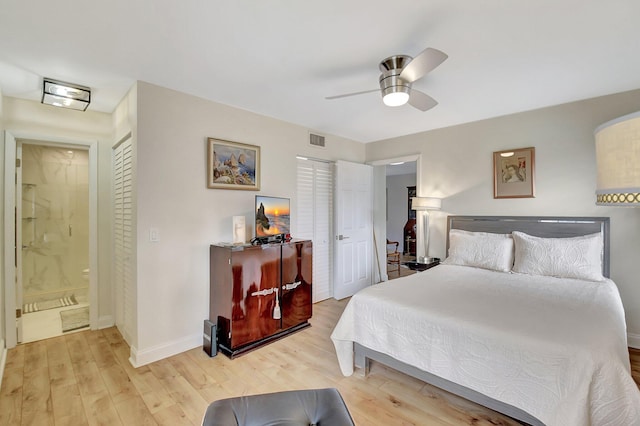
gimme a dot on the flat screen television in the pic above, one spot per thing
(272, 216)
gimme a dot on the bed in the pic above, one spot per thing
(545, 344)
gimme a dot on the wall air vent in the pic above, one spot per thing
(316, 140)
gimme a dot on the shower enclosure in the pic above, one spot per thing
(54, 226)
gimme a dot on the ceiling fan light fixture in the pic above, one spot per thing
(395, 91)
(399, 72)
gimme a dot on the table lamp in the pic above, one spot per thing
(424, 204)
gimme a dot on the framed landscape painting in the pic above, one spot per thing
(513, 173)
(233, 165)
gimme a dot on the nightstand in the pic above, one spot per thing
(417, 266)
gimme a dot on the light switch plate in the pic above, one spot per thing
(154, 235)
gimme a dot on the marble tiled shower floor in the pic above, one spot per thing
(45, 324)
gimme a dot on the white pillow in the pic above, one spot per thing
(576, 257)
(481, 250)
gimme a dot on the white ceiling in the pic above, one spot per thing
(281, 58)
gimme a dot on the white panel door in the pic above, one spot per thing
(354, 228)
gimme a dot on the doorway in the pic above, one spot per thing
(401, 220)
(13, 242)
(52, 234)
(395, 181)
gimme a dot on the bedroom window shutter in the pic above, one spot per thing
(315, 220)
(123, 238)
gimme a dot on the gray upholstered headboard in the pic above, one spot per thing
(539, 226)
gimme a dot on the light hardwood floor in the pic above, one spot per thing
(85, 378)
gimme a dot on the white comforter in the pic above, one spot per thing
(555, 348)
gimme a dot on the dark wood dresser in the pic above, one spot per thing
(259, 293)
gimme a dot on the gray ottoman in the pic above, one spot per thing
(292, 408)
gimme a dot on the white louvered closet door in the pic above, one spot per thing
(315, 220)
(123, 238)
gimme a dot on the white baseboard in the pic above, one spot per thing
(139, 358)
(3, 359)
(633, 340)
(322, 296)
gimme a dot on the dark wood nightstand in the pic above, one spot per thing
(417, 266)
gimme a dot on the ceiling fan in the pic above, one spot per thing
(399, 72)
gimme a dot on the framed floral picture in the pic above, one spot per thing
(513, 173)
(232, 165)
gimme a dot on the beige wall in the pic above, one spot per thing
(457, 166)
(172, 196)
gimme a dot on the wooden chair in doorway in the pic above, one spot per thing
(393, 257)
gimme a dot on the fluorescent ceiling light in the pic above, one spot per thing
(65, 95)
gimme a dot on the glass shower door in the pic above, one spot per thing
(54, 228)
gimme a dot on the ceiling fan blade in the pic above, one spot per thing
(351, 94)
(422, 101)
(426, 61)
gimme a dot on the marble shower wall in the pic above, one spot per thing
(55, 222)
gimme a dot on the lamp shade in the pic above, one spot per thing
(425, 203)
(618, 161)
